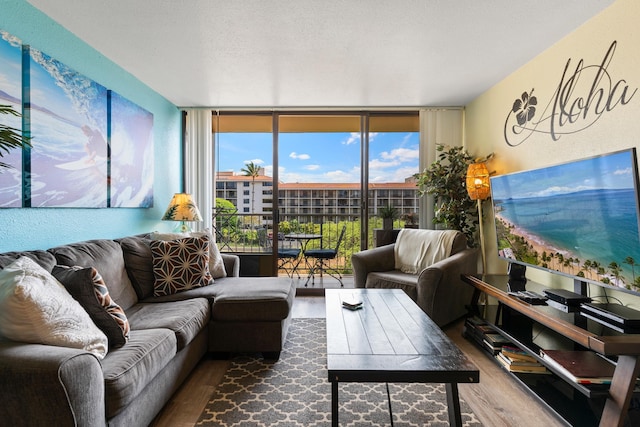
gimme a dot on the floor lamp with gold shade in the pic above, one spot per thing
(479, 189)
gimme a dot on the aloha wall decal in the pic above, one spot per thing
(583, 95)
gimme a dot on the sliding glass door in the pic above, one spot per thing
(292, 172)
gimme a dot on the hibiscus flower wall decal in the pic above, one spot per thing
(525, 107)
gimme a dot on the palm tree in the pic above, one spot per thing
(587, 267)
(253, 170)
(10, 137)
(629, 260)
(615, 270)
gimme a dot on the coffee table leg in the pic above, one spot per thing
(453, 405)
(334, 404)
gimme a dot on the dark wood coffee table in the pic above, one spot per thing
(391, 340)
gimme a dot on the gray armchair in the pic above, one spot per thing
(437, 289)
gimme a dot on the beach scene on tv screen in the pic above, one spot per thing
(578, 218)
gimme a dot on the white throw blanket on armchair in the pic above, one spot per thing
(417, 249)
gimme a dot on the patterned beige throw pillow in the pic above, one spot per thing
(36, 308)
(216, 264)
(180, 265)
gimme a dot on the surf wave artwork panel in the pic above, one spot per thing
(131, 141)
(11, 95)
(69, 166)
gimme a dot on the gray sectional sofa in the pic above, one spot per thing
(169, 335)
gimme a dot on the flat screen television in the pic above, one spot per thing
(579, 219)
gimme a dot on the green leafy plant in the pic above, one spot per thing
(10, 138)
(388, 212)
(445, 180)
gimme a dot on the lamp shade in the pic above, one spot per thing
(182, 208)
(478, 181)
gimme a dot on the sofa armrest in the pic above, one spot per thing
(48, 385)
(231, 264)
(377, 259)
(441, 292)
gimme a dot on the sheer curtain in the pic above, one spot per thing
(443, 126)
(198, 163)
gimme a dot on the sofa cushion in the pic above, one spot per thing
(253, 299)
(107, 257)
(216, 264)
(179, 265)
(394, 279)
(88, 288)
(36, 308)
(185, 318)
(139, 264)
(129, 369)
(43, 258)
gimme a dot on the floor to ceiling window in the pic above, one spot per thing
(289, 172)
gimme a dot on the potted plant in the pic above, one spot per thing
(410, 220)
(10, 137)
(445, 180)
(388, 214)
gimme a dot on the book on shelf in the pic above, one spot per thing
(516, 353)
(582, 367)
(484, 334)
(495, 341)
(520, 367)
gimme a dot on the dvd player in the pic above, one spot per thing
(566, 297)
(614, 313)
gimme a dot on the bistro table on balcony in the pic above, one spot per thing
(304, 240)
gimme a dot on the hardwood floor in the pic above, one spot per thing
(498, 400)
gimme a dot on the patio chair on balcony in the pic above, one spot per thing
(288, 260)
(320, 260)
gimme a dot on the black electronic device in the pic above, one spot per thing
(616, 313)
(529, 297)
(517, 279)
(566, 297)
(517, 273)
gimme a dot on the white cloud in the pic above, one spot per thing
(354, 138)
(380, 164)
(312, 167)
(402, 154)
(256, 161)
(295, 155)
(626, 171)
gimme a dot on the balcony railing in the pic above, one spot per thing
(253, 233)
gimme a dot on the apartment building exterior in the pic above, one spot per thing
(328, 200)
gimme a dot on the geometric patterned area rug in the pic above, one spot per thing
(295, 391)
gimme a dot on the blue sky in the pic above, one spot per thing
(323, 157)
(613, 171)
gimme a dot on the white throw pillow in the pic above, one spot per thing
(216, 264)
(36, 308)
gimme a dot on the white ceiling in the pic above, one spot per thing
(320, 53)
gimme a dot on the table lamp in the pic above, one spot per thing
(182, 208)
(478, 189)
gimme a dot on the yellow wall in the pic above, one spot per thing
(613, 130)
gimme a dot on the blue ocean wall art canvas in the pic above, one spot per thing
(69, 136)
(90, 147)
(131, 142)
(11, 95)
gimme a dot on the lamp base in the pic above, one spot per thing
(182, 227)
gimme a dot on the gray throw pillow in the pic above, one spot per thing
(88, 288)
